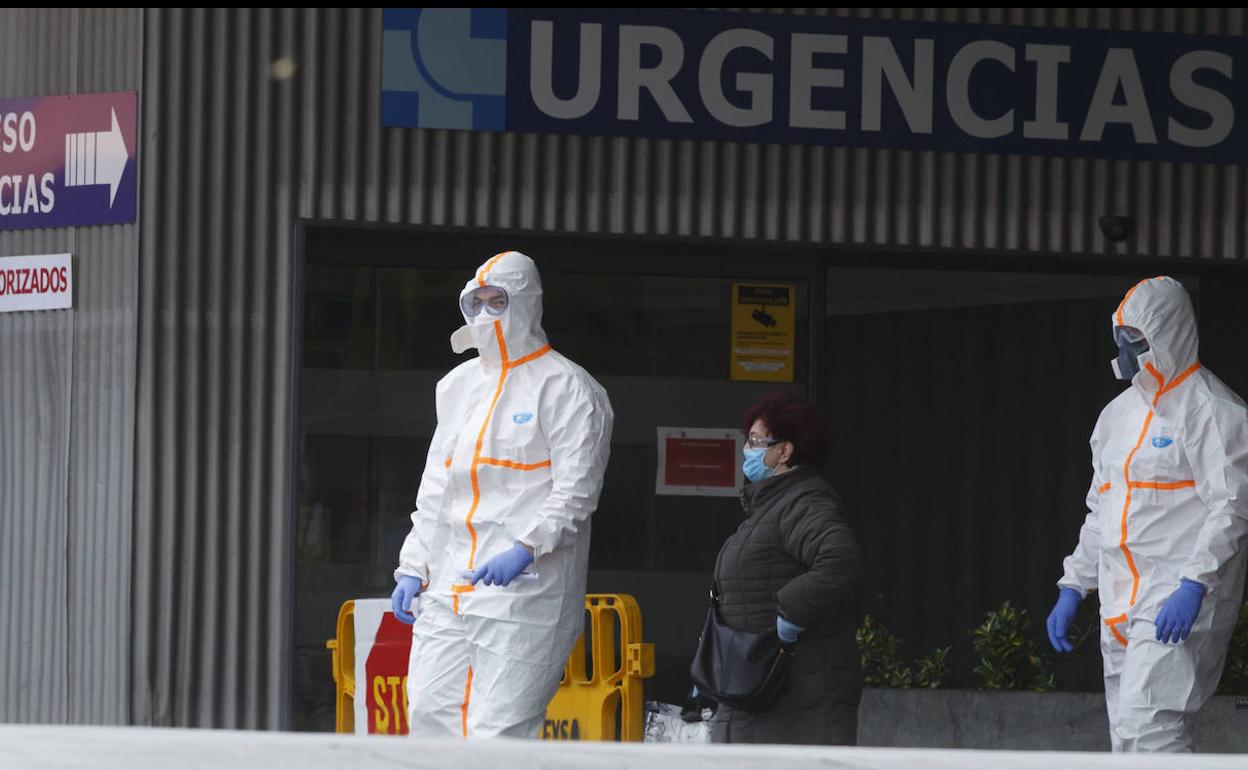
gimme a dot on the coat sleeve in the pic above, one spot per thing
(1081, 568)
(414, 555)
(814, 534)
(1217, 450)
(577, 420)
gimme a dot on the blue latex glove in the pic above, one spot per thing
(401, 600)
(1059, 619)
(1177, 615)
(502, 569)
(787, 630)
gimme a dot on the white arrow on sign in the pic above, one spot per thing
(96, 157)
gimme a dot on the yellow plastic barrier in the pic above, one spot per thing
(603, 702)
(587, 703)
(343, 663)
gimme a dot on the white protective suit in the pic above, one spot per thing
(519, 453)
(1169, 500)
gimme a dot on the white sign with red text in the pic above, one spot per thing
(40, 282)
(383, 646)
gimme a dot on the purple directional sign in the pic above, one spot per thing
(68, 160)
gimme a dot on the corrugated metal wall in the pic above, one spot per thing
(67, 414)
(37, 351)
(212, 497)
(232, 154)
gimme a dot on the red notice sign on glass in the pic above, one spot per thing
(699, 461)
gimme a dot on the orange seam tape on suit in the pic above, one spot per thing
(514, 465)
(1113, 628)
(463, 710)
(1126, 505)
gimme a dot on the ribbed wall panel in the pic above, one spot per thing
(67, 414)
(36, 371)
(101, 479)
(35, 359)
(212, 507)
(101, 482)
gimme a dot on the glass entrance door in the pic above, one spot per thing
(653, 326)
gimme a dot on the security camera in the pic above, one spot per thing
(1116, 228)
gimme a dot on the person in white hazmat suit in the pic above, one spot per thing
(499, 544)
(1163, 542)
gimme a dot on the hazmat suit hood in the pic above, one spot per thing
(1160, 308)
(517, 332)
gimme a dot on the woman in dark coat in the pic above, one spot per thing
(793, 565)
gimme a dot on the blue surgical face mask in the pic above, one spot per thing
(1127, 364)
(754, 467)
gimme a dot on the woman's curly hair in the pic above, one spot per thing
(789, 417)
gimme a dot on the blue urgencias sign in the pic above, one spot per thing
(750, 77)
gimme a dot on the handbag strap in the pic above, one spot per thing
(714, 586)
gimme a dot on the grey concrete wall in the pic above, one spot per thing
(973, 719)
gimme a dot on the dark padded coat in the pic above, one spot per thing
(795, 556)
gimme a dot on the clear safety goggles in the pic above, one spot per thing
(491, 299)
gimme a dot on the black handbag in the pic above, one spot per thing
(738, 668)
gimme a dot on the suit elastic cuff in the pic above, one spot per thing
(1073, 587)
(531, 540)
(423, 575)
(1203, 584)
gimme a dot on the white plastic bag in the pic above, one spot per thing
(665, 725)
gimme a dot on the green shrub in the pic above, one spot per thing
(931, 672)
(1009, 658)
(884, 664)
(1235, 675)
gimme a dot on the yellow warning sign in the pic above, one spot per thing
(764, 322)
